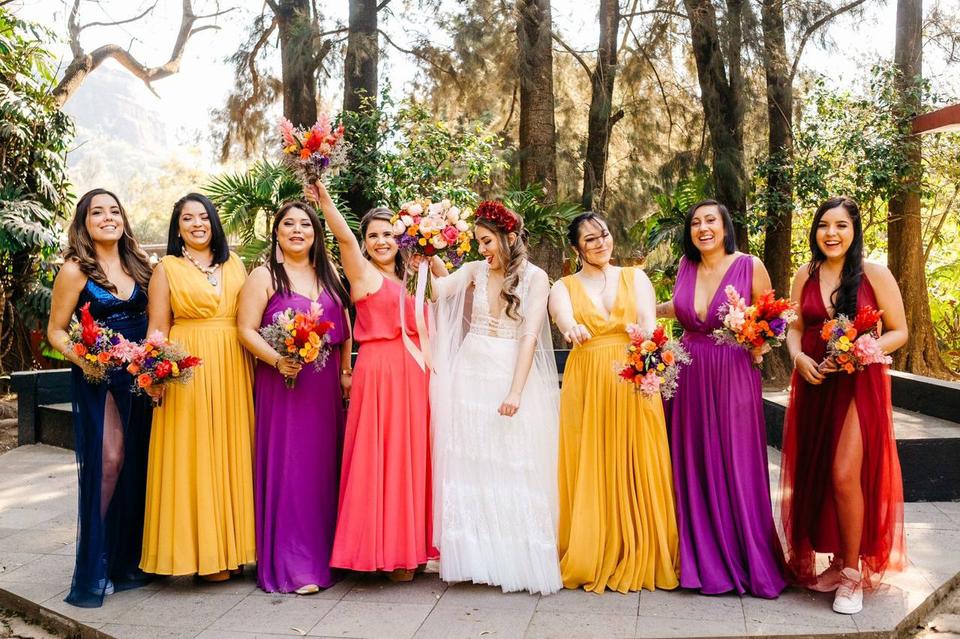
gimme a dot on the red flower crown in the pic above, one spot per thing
(501, 217)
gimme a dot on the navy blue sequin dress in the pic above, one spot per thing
(108, 548)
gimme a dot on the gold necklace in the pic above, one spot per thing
(209, 271)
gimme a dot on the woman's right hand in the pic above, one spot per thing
(808, 369)
(288, 366)
(578, 334)
(155, 392)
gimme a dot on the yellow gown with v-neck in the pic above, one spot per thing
(618, 526)
(199, 513)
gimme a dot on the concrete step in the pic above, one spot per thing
(55, 424)
(928, 446)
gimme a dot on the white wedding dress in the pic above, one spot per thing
(495, 478)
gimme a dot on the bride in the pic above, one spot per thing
(494, 405)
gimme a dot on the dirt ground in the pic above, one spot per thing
(8, 422)
(13, 626)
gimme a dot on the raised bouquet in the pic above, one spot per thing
(653, 362)
(157, 361)
(427, 228)
(761, 325)
(852, 344)
(302, 336)
(95, 344)
(316, 151)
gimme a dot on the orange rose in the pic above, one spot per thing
(133, 369)
(79, 349)
(851, 333)
(649, 346)
(144, 381)
(668, 358)
(104, 357)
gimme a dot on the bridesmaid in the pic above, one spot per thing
(384, 521)
(842, 490)
(105, 267)
(199, 516)
(299, 431)
(728, 541)
(618, 528)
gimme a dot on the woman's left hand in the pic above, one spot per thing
(510, 405)
(759, 352)
(346, 383)
(829, 365)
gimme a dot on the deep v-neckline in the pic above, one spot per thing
(716, 293)
(593, 304)
(484, 289)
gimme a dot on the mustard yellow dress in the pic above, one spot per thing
(199, 511)
(618, 526)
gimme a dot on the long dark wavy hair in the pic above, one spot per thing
(326, 275)
(383, 214)
(218, 241)
(81, 249)
(512, 257)
(844, 297)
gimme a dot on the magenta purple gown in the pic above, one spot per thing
(728, 541)
(299, 436)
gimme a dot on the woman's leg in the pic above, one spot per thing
(112, 452)
(847, 490)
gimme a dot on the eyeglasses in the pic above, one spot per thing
(596, 242)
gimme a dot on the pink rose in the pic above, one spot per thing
(867, 351)
(450, 234)
(650, 384)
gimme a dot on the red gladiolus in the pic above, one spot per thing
(89, 331)
(866, 319)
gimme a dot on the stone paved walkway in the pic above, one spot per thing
(37, 529)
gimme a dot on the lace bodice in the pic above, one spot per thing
(481, 321)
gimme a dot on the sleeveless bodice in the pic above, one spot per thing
(814, 313)
(378, 314)
(481, 321)
(193, 298)
(332, 311)
(739, 275)
(128, 317)
(585, 309)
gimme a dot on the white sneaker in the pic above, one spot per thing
(849, 599)
(106, 585)
(829, 579)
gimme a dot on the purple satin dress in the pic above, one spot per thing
(299, 436)
(728, 541)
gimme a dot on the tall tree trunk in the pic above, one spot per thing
(360, 68)
(297, 68)
(722, 104)
(601, 118)
(776, 245)
(363, 54)
(779, 196)
(538, 133)
(921, 354)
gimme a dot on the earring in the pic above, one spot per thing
(278, 255)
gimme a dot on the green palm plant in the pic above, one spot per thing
(247, 201)
(546, 222)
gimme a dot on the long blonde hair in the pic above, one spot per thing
(81, 249)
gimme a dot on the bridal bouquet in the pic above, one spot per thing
(157, 361)
(852, 344)
(316, 151)
(653, 362)
(761, 325)
(427, 228)
(302, 336)
(96, 344)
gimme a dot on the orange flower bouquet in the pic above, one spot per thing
(157, 361)
(852, 344)
(302, 336)
(95, 344)
(761, 325)
(313, 152)
(653, 362)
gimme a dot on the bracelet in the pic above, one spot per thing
(346, 371)
(277, 362)
(799, 353)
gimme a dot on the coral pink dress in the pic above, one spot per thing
(384, 521)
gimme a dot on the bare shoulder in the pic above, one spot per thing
(71, 274)
(640, 276)
(803, 274)
(559, 287)
(259, 275)
(877, 272)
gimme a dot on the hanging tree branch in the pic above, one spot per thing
(85, 63)
(571, 51)
(813, 29)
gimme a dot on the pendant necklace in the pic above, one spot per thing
(209, 271)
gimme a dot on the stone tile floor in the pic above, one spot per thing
(37, 529)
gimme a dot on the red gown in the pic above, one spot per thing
(814, 420)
